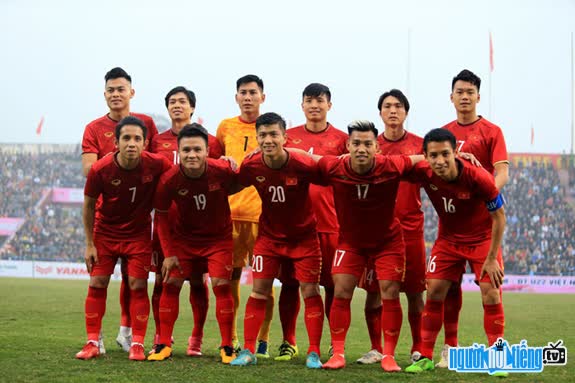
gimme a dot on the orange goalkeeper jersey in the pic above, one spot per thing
(238, 138)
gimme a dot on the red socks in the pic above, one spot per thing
(94, 310)
(432, 320)
(340, 318)
(169, 310)
(373, 321)
(255, 314)
(493, 322)
(156, 295)
(451, 309)
(199, 299)
(289, 306)
(139, 313)
(328, 300)
(415, 325)
(224, 312)
(125, 302)
(314, 322)
(392, 316)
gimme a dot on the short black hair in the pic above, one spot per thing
(130, 120)
(271, 119)
(315, 90)
(181, 89)
(397, 94)
(362, 126)
(250, 78)
(193, 130)
(438, 135)
(117, 72)
(467, 76)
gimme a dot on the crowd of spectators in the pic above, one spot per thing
(539, 238)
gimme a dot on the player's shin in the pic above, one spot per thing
(314, 317)
(94, 309)
(430, 326)
(253, 319)
(339, 323)
(289, 306)
(374, 327)
(139, 312)
(391, 319)
(224, 312)
(169, 310)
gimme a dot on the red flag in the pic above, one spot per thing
(532, 135)
(39, 127)
(491, 65)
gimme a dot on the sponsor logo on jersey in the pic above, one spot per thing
(148, 178)
(291, 181)
(433, 187)
(167, 144)
(116, 182)
(214, 187)
(260, 178)
(183, 192)
(297, 141)
(108, 134)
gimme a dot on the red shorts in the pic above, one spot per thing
(368, 280)
(414, 281)
(303, 256)
(157, 255)
(217, 258)
(138, 255)
(448, 260)
(388, 260)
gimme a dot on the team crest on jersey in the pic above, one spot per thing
(291, 181)
(167, 144)
(116, 182)
(108, 134)
(433, 187)
(260, 178)
(464, 195)
(147, 179)
(183, 192)
(297, 141)
(214, 187)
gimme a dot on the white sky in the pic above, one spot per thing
(55, 55)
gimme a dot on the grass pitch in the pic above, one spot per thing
(42, 327)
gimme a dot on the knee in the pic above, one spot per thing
(99, 282)
(390, 290)
(490, 296)
(137, 283)
(309, 290)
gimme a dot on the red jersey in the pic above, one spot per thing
(461, 204)
(202, 212)
(483, 139)
(99, 135)
(127, 196)
(166, 144)
(287, 214)
(408, 202)
(330, 141)
(365, 203)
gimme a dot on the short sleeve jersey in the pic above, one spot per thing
(166, 144)
(408, 203)
(202, 213)
(238, 139)
(99, 135)
(460, 205)
(287, 214)
(126, 196)
(330, 141)
(483, 139)
(365, 203)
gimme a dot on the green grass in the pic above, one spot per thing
(42, 327)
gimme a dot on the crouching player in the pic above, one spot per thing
(471, 225)
(287, 233)
(120, 226)
(197, 232)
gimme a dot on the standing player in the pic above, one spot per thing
(237, 136)
(485, 141)
(181, 104)
(393, 108)
(365, 188)
(197, 230)
(320, 137)
(97, 142)
(124, 184)
(471, 225)
(287, 233)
